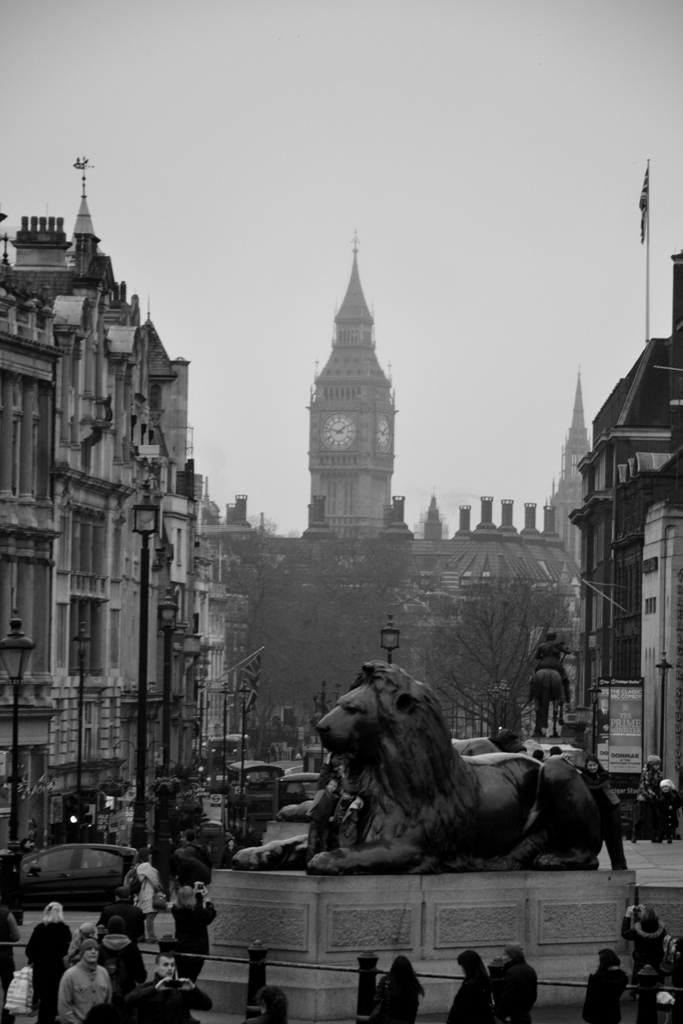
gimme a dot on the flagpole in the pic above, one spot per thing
(243, 800)
(647, 260)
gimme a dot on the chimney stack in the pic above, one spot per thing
(549, 519)
(464, 526)
(506, 512)
(530, 515)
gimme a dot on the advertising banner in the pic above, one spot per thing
(620, 725)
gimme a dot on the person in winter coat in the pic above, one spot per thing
(192, 915)
(133, 918)
(668, 810)
(519, 989)
(166, 999)
(609, 806)
(123, 961)
(150, 884)
(87, 930)
(45, 951)
(273, 1003)
(641, 926)
(604, 990)
(473, 1003)
(186, 869)
(648, 798)
(83, 986)
(399, 993)
(9, 932)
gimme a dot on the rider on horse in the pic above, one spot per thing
(548, 655)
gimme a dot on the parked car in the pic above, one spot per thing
(76, 874)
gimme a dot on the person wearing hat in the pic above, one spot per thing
(649, 798)
(668, 811)
(83, 986)
(123, 962)
(609, 806)
(166, 999)
(519, 989)
(133, 918)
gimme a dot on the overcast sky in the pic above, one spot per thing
(490, 155)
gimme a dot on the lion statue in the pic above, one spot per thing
(397, 797)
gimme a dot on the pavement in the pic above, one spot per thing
(654, 864)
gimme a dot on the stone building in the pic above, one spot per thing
(28, 361)
(120, 430)
(352, 414)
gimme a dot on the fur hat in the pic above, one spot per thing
(654, 758)
(666, 784)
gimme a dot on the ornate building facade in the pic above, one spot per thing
(352, 414)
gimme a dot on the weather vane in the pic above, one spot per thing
(355, 240)
(83, 164)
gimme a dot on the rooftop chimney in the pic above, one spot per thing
(506, 512)
(486, 514)
(318, 526)
(530, 516)
(41, 245)
(464, 526)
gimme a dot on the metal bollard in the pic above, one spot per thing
(496, 973)
(648, 980)
(257, 976)
(367, 977)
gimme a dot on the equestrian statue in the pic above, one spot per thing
(549, 683)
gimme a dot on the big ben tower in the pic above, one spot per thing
(351, 453)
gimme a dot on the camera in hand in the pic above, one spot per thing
(174, 982)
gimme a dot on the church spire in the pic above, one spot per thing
(577, 416)
(354, 309)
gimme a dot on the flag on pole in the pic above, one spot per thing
(644, 200)
(250, 675)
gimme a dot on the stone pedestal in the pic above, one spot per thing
(561, 918)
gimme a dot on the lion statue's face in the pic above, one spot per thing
(352, 727)
(379, 702)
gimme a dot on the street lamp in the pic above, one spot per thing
(389, 637)
(146, 523)
(595, 692)
(15, 651)
(663, 667)
(168, 610)
(82, 640)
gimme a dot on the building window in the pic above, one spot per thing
(114, 634)
(90, 730)
(650, 605)
(116, 552)
(62, 634)
(64, 539)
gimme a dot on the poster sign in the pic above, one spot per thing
(620, 725)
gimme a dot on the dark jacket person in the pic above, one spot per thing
(164, 1000)
(518, 993)
(641, 926)
(473, 1003)
(604, 990)
(133, 918)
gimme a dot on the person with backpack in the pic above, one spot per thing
(133, 918)
(122, 960)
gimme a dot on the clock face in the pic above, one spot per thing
(383, 433)
(338, 431)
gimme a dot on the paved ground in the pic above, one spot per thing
(654, 864)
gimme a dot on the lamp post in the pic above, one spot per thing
(504, 694)
(663, 667)
(146, 523)
(595, 692)
(389, 637)
(82, 640)
(15, 652)
(168, 610)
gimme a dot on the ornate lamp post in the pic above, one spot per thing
(663, 667)
(15, 652)
(146, 523)
(389, 637)
(168, 610)
(82, 640)
(595, 692)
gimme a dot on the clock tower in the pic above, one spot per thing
(351, 450)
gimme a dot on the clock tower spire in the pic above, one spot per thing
(351, 451)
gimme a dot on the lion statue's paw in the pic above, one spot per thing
(325, 863)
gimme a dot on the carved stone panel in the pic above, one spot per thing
(459, 926)
(277, 926)
(577, 922)
(375, 928)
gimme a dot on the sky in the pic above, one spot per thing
(490, 154)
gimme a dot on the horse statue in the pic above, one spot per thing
(549, 683)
